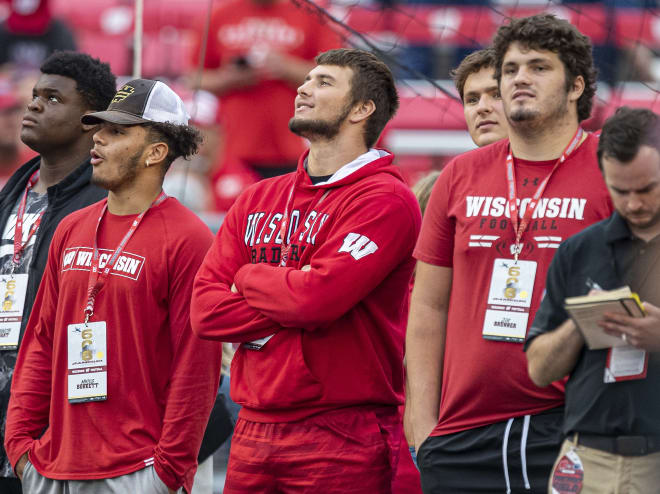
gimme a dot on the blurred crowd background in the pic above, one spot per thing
(238, 76)
(236, 64)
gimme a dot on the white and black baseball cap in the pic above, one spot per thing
(141, 101)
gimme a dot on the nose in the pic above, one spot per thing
(303, 88)
(485, 105)
(34, 104)
(521, 77)
(98, 136)
(634, 203)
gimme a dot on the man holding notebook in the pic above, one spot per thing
(612, 400)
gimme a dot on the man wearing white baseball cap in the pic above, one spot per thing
(109, 367)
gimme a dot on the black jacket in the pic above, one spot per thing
(73, 193)
(69, 195)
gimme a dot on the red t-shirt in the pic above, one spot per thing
(255, 119)
(466, 227)
(161, 379)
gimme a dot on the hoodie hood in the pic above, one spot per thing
(370, 163)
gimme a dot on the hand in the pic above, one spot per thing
(20, 466)
(640, 332)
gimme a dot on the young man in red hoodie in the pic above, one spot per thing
(310, 274)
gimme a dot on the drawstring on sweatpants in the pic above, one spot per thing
(505, 463)
(523, 452)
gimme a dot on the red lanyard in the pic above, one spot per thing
(286, 246)
(97, 278)
(18, 232)
(520, 227)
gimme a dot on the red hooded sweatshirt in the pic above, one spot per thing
(338, 328)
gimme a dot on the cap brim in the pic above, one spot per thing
(112, 116)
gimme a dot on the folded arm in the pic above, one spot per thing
(217, 312)
(364, 245)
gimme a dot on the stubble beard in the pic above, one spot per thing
(127, 174)
(530, 120)
(323, 129)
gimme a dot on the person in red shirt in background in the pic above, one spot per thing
(13, 153)
(30, 34)
(258, 52)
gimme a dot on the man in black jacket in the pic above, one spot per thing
(40, 194)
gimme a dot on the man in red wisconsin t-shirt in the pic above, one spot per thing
(479, 423)
(112, 391)
(258, 52)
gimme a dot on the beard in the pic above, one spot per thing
(324, 129)
(535, 118)
(125, 174)
(523, 115)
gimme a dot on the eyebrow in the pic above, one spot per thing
(323, 76)
(627, 191)
(46, 89)
(487, 89)
(531, 61)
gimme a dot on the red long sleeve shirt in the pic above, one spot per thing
(339, 327)
(162, 380)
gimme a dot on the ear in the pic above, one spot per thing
(89, 127)
(156, 153)
(362, 111)
(577, 88)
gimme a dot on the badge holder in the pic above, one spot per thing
(88, 361)
(13, 289)
(625, 363)
(509, 300)
(568, 475)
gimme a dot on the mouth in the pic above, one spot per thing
(96, 157)
(29, 122)
(522, 94)
(302, 106)
(487, 124)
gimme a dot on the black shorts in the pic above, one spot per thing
(473, 461)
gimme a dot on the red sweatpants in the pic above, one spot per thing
(350, 451)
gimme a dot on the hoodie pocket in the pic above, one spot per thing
(276, 376)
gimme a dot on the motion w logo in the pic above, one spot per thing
(358, 245)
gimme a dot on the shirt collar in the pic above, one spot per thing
(617, 229)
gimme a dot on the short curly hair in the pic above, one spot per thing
(474, 62)
(625, 132)
(547, 32)
(94, 80)
(182, 140)
(372, 80)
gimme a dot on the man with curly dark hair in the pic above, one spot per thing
(42, 192)
(547, 33)
(111, 350)
(494, 220)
